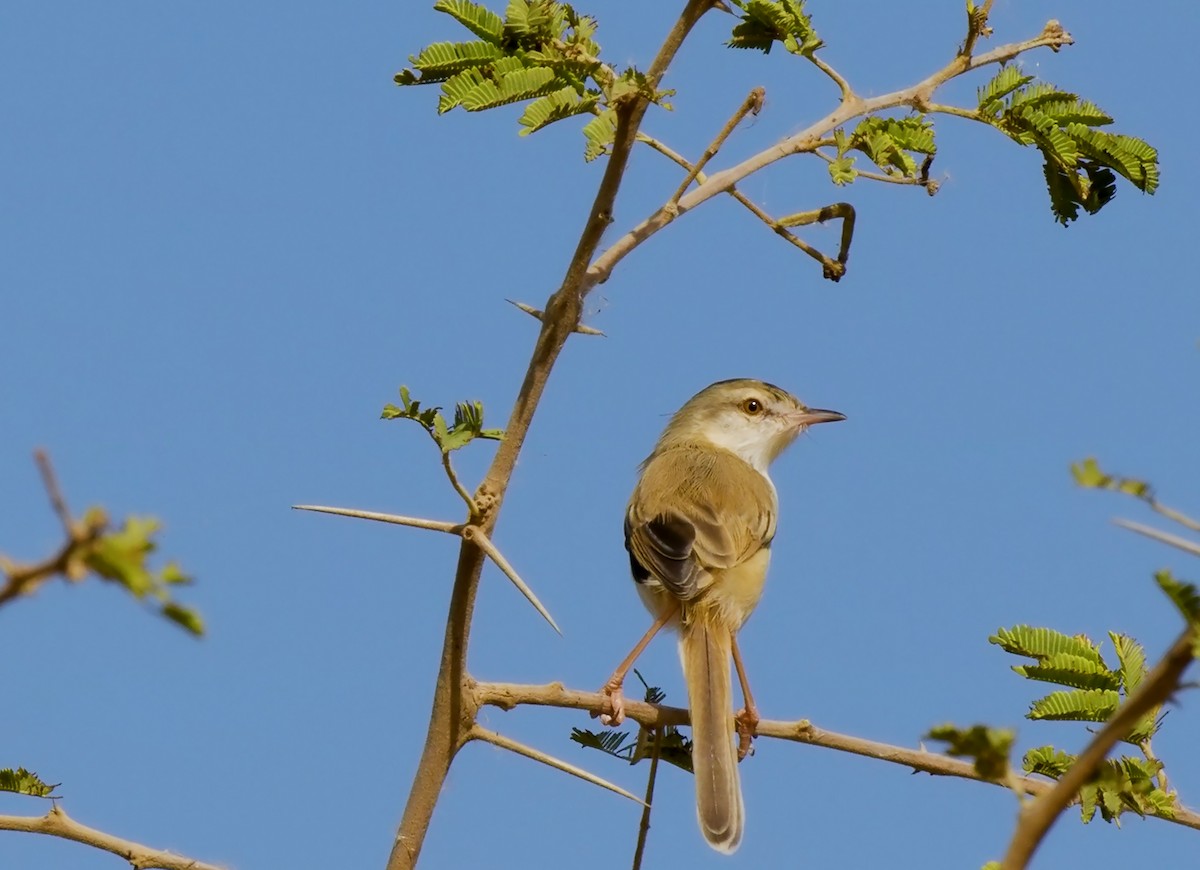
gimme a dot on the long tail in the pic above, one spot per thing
(705, 651)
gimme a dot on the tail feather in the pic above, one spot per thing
(705, 651)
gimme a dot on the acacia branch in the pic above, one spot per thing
(1039, 816)
(57, 823)
(506, 696)
(917, 96)
(453, 710)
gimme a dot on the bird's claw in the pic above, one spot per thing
(616, 699)
(746, 721)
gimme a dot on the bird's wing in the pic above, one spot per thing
(694, 512)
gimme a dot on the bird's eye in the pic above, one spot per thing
(752, 407)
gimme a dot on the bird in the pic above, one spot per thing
(698, 530)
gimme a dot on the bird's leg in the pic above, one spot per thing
(612, 688)
(746, 718)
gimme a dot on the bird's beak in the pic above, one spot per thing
(812, 416)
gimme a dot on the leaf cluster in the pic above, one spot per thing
(1094, 688)
(22, 781)
(467, 425)
(121, 556)
(1081, 162)
(1120, 784)
(893, 144)
(541, 52)
(762, 23)
(989, 747)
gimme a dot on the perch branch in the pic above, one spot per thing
(509, 695)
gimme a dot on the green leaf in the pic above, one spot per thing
(1088, 475)
(1047, 761)
(891, 142)
(599, 133)
(511, 87)
(444, 59)
(1186, 598)
(614, 743)
(1133, 661)
(1066, 669)
(842, 170)
(763, 23)
(456, 88)
(186, 617)
(478, 19)
(563, 103)
(991, 96)
(533, 22)
(1077, 705)
(988, 746)
(22, 781)
(1041, 643)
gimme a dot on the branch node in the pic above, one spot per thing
(540, 315)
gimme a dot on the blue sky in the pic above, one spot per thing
(228, 239)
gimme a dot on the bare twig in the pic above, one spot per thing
(57, 823)
(1163, 537)
(474, 533)
(415, 522)
(644, 826)
(752, 103)
(480, 733)
(1040, 815)
(509, 695)
(843, 86)
(472, 508)
(57, 501)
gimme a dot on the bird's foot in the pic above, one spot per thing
(746, 721)
(616, 698)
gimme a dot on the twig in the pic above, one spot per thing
(1163, 537)
(644, 826)
(917, 181)
(509, 695)
(474, 533)
(752, 103)
(480, 733)
(1040, 815)
(843, 85)
(415, 522)
(538, 314)
(976, 27)
(23, 579)
(57, 823)
(833, 269)
(472, 508)
(50, 481)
